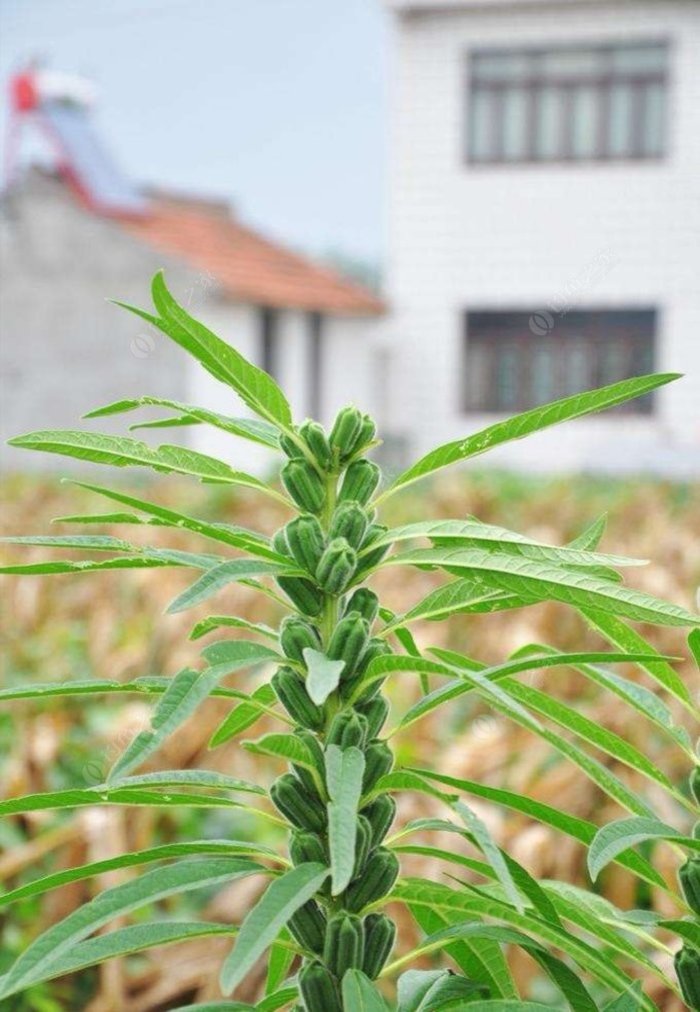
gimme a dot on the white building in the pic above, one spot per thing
(75, 236)
(545, 222)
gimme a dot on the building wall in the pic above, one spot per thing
(530, 237)
(63, 348)
(347, 373)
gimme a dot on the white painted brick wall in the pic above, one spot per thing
(509, 236)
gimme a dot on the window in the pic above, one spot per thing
(268, 341)
(536, 105)
(315, 321)
(517, 360)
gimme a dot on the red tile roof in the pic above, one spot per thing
(249, 267)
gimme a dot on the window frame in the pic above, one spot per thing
(531, 83)
(643, 408)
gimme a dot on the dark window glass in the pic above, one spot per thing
(518, 360)
(315, 365)
(603, 102)
(269, 352)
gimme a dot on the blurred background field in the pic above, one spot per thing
(111, 625)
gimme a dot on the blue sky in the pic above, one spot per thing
(277, 104)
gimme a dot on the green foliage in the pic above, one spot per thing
(322, 916)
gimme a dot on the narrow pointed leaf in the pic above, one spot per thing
(238, 537)
(571, 825)
(262, 925)
(344, 772)
(694, 644)
(620, 635)
(214, 622)
(491, 852)
(283, 746)
(135, 938)
(360, 994)
(523, 577)
(187, 690)
(530, 421)
(237, 848)
(323, 677)
(144, 560)
(122, 451)
(480, 535)
(42, 954)
(254, 386)
(78, 797)
(248, 428)
(220, 576)
(245, 715)
(616, 837)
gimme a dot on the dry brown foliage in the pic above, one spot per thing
(111, 625)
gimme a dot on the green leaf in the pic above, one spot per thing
(432, 990)
(520, 576)
(473, 676)
(239, 653)
(264, 922)
(182, 697)
(105, 519)
(214, 622)
(630, 1001)
(508, 1005)
(151, 685)
(89, 542)
(121, 451)
(272, 1002)
(360, 994)
(468, 596)
(144, 560)
(238, 537)
(470, 906)
(590, 730)
(138, 792)
(616, 837)
(279, 962)
(249, 428)
(589, 539)
(407, 780)
(344, 771)
(528, 886)
(643, 700)
(686, 929)
(577, 995)
(479, 958)
(254, 386)
(480, 535)
(37, 961)
(283, 746)
(217, 1006)
(220, 576)
(324, 675)
(245, 715)
(135, 938)
(46, 883)
(571, 825)
(491, 852)
(694, 644)
(529, 422)
(620, 635)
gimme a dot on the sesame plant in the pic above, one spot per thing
(324, 919)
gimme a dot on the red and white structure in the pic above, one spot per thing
(58, 105)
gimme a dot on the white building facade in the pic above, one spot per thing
(545, 223)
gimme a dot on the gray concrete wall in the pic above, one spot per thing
(63, 348)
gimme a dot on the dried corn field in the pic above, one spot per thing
(111, 626)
